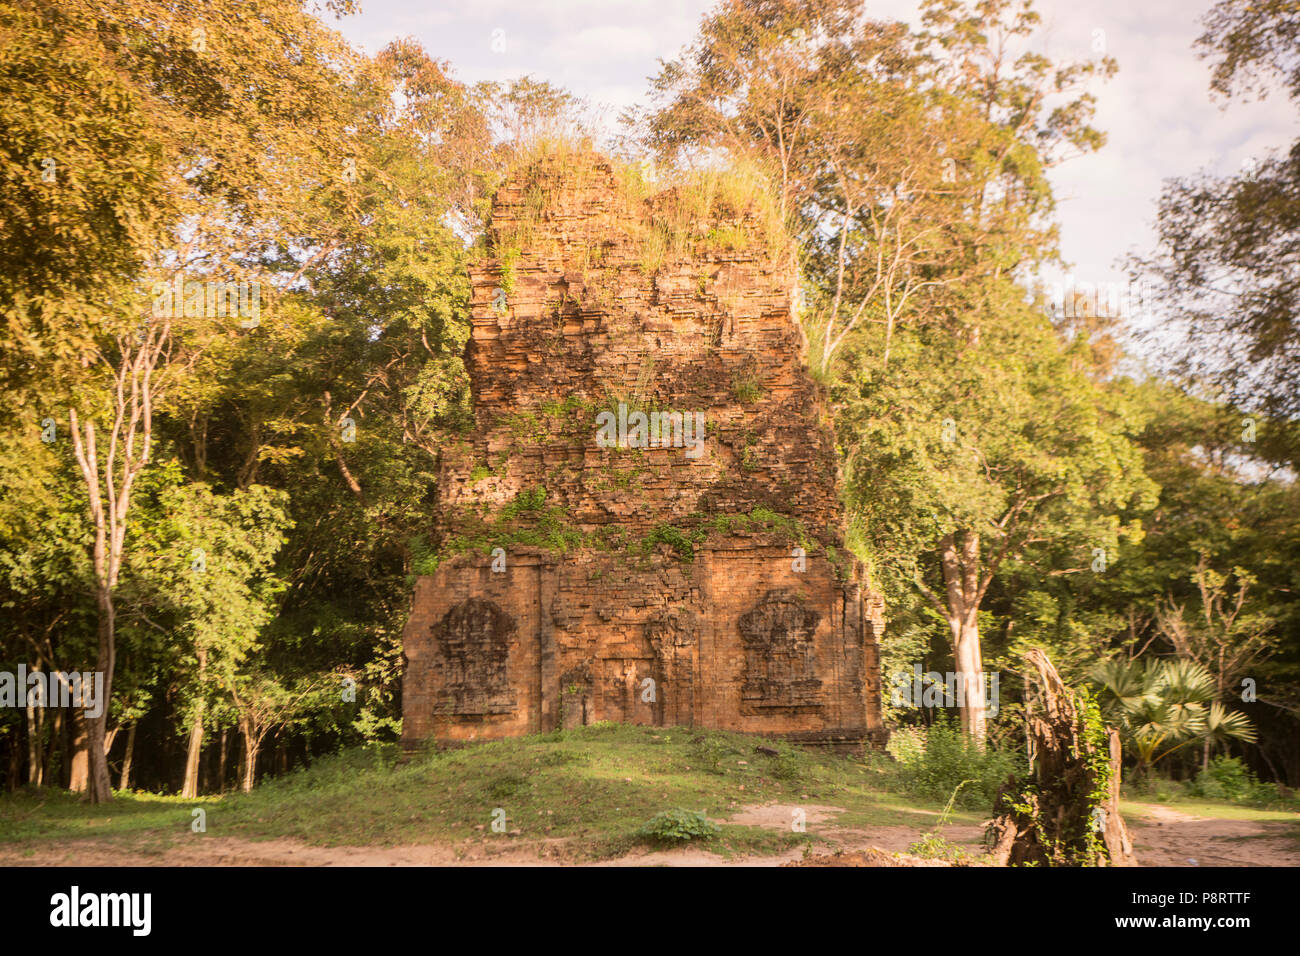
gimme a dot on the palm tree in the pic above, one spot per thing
(1163, 705)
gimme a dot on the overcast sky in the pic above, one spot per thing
(1157, 110)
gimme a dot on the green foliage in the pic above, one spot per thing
(678, 826)
(746, 388)
(1163, 705)
(509, 261)
(934, 846)
(689, 211)
(1095, 742)
(1229, 780)
(684, 542)
(528, 501)
(1226, 778)
(944, 761)
(682, 545)
(713, 754)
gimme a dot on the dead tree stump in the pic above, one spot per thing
(1066, 812)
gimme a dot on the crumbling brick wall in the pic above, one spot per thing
(699, 585)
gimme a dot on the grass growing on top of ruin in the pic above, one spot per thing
(529, 520)
(687, 212)
(593, 788)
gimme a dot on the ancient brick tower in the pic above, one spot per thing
(663, 575)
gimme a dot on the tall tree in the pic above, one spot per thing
(1227, 267)
(238, 123)
(966, 460)
(910, 164)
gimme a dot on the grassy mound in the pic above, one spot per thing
(591, 790)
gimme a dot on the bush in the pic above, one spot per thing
(709, 753)
(907, 745)
(1226, 778)
(1152, 787)
(933, 764)
(1230, 780)
(678, 826)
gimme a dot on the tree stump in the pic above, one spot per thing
(1066, 813)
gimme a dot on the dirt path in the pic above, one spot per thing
(1161, 837)
(1168, 837)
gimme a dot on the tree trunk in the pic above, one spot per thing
(58, 747)
(125, 782)
(35, 746)
(961, 582)
(250, 754)
(221, 762)
(190, 787)
(15, 762)
(79, 765)
(970, 674)
(100, 788)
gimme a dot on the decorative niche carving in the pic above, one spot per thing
(474, 638)
(780, 652)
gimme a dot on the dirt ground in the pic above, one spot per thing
(1168, 837)
(1163, 837)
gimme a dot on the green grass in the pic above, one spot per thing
(1209, 808)
(594, 787)
(683, 212)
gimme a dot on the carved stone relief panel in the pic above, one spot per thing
(474, 639)
(778, 636)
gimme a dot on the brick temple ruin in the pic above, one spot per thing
(649, 575)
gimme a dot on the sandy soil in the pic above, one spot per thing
(1168, 837)
(1163, 837)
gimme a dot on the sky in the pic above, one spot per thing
(1157, 112)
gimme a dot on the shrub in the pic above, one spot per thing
(934, 764)
(785, 769)
(1227, 778)
(907, 744)
(708, 754)
(747, 388)
(1150, 786)
(933, 846)
(678, 826)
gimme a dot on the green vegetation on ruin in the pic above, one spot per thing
(746, 387)
(528, 520)
(686, 212)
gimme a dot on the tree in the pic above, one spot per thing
(109, 483)
(233, 143)
(1227, 267)
(909, 164)
(966, 462)
(264, 704)
(1226, 637)
(205, 569)
(1163, 705)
